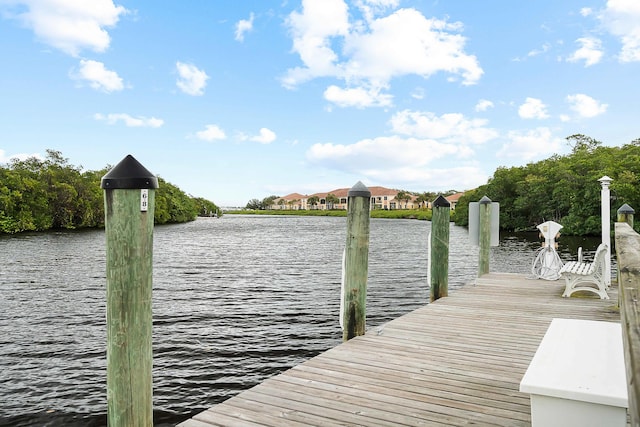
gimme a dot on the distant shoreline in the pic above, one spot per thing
(421, 214)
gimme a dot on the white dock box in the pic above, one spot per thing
(577, 376)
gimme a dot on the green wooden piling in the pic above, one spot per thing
(485, 235)
(129, 202)
(356, 262)
(439, 256)
(625, 214)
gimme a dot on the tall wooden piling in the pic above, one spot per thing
(129, 202)
(625, 214)
(356, 262)
(485, 235)
(439, 256)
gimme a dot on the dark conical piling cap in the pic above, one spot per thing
(441, 202)
(485, 200)
(129, 174)
(626, 209)
(360, 190)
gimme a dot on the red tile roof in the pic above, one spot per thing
(454, 197)
(293, 196)
(342, 192)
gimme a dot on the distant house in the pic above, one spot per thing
(293, 201)
(384, 198)
(324, 203)
(453, 200)
(381, 198)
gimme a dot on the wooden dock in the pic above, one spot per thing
(457, 361)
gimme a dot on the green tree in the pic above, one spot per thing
(206, 207)
(254, 204)
(90, 203)
(40, 194)
(313, 201)
(423, 200)
(582, 143)
(23, 201)
(331, 200)
(403, 196)
(173, 205)
(561, 188)
(292, 202)
(27, 204)
(268, 201)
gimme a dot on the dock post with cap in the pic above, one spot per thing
(625, 214)
(356, 261)
(129, 202)
(485, 235)
(439, 244)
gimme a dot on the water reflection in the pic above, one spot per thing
(235, 300)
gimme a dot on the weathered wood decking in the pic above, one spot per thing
(458, 361)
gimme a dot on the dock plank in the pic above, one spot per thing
(457, 361)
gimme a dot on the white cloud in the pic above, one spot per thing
(452, 127)
(483, 105)
(312, 31)
(211, 133)
(418, 93)
(97, 76)
(406, 42)
(585, 105)
(191, 80)
(398, 161)
(376, 51)
(590, 50)
(533, 108)
(129, 121)
(535, 52)
(586, 11)
(546, 47)
(379, 4)
(70, 25)
(244, 26)
(461, 177)
(357, 97)
(382, 152)
(405, 158)
(533, 144)
(371, 8)
(266, 136)
(4, 158)
(622, 19)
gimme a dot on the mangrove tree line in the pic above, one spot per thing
(564, 189)
(38, 195)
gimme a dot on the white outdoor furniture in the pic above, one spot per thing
(586, 276)
(577, 376)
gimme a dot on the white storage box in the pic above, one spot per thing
(577, 376)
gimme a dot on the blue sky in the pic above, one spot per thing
(239, 100)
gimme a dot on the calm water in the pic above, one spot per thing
(235, 300)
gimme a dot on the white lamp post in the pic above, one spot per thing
(606, 225)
